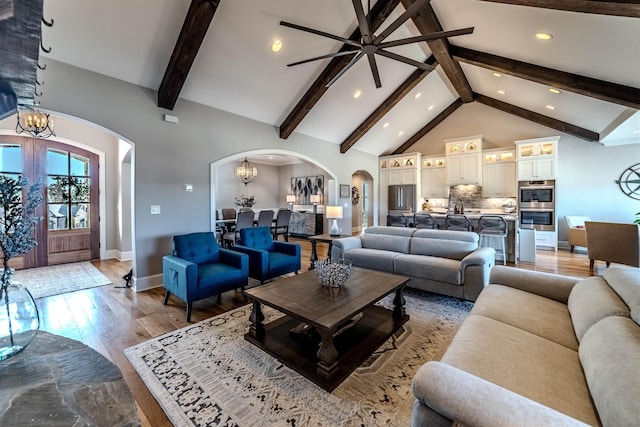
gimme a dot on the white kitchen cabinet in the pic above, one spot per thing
(547, 239)
(434, 183)
(397, 177)
(396, 170)
(537, 158)
(464, 160)
(499, 173)
(464, 169)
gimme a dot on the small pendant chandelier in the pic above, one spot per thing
(35, 123)
(246, 172)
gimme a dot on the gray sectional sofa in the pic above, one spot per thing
(540, 349)
(441, 261)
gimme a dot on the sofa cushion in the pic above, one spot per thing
(590, 301)
(371, 258)
(610, 355)
(444, 243)
(626, 282)
(386, 242)
(539, 315)
(428, 267)
(525, 363)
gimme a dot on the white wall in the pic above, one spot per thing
(262, 188)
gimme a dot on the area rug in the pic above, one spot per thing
(207, 374)
(60, 279)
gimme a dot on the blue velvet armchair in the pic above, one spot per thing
(268, 258)
(199, 268)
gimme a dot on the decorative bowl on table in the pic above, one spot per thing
(333, 274)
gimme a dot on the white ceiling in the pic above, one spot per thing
(236, 71)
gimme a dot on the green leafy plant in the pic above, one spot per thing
(17, 220)
(637, 220)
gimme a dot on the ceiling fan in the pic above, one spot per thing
(371, 45)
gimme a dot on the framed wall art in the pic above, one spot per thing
(304, 186)
(345, 192)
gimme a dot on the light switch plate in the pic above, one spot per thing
(155, 210)
(188, 188)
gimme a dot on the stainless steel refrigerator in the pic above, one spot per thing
(402, 197)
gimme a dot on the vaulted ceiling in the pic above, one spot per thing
(218, 53)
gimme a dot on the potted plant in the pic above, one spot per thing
(19, 320)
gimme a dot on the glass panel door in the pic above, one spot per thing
(69, 190)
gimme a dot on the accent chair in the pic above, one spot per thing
(576, 231)
(268, 258)
(613, 242)
(198, 268)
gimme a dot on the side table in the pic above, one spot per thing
(325, 238)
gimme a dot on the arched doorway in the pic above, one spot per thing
(361, 201)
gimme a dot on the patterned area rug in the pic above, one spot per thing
(207, 374)
(60, 279)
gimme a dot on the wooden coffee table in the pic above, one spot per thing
(321, 354)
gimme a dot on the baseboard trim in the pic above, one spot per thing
(148, 282)
(120, 256)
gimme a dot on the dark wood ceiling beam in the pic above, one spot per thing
(379, 13)
(427, 22)
(541, 119)
(193, 31)
(386, 106)
(606, 91)
(630, 8)
(432, 124)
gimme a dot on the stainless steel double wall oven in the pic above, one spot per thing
(537, 204)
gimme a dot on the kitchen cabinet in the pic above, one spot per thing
(537, 158)
(464, 160)
(397, 177)
(547, 239)
(433, 177)
(499, 174)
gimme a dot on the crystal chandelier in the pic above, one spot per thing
(35, 123)
(246, 172)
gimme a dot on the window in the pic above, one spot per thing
(68, 190)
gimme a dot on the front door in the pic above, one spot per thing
(70, 229)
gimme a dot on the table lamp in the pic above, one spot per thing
(291, 198)
(334, 213)
(315, 199)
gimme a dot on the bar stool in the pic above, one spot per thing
(457, 222)
(423, 220)
(493, 226)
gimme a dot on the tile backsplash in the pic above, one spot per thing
(471, 197)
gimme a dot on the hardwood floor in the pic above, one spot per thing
(111, 318)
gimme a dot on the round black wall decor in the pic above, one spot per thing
(629, 181)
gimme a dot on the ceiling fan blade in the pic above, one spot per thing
(345, 69)
(408, 13)
(374, 69)
(320, 33)
(362, 22)
(330, 55)
(406, 60)
(426, 37)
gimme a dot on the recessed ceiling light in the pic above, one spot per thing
(544, 36)
(497, 75)
(554, 90)
(636, 132)
(501, 92)
(550, 107)
(418, 95)
(430, 108)
(276, 46)
(401, 133)
(357, 94)
(385, 125)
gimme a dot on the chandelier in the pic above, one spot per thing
(246, 172)
(35, 123)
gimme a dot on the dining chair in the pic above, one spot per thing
(228, 213)
(265, 218)
(244, 220)
(282, 225)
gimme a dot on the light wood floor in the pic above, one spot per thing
(110, 318)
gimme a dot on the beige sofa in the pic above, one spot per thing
(441, 261)
(540, 349)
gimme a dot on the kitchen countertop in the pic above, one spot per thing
(475, 214)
